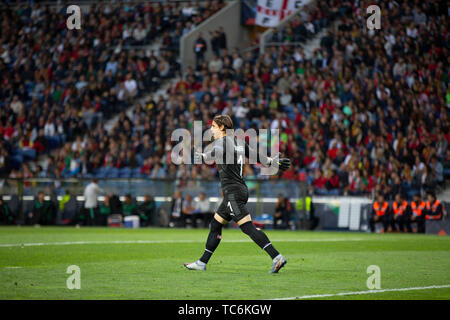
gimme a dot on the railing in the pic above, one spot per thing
(139, 187)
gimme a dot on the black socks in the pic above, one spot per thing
(259, 238)
(215, 234)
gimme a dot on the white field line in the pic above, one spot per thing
(67, 243)
(363, 292)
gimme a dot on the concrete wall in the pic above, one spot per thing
(230, 19)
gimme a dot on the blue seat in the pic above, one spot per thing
(107, 170)
(16, 161)
(125, 172)
(136, 174)
(136, 170)
(29, 153)
(112, 174)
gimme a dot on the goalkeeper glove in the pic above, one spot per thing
(283, 163)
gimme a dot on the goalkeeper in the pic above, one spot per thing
(235, 193)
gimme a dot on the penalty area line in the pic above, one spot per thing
(363, 292)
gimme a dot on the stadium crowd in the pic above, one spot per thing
(366, 113)
(60, 85)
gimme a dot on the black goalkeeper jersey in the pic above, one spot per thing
(230, 158)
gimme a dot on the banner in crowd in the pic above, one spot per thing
(268, 13)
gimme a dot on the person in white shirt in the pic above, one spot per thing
(237, 61)
(139, 34)
(49, 128)
(203, 207)
(16, 105)
(215, 65)
(91, 193)
(130, 86)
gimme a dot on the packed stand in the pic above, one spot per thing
(368, 112)
(60, 84)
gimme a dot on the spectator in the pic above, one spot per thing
(147, 211)
(62, 205)
(222, 40)
(438, 170)
(130, 86)
(104, 212)
(418, 215)
(381, 213)
(200, 48)
(139, 35)
(129, 207)
(202, 207)
(215, 42)
(282, 212)
(187, 210)
(305, 204)
(176, 210)
(91, 193)
(401, 214)
(43, 212)
(6, 215)
(16, 105)
(434, 209)
(215, 65)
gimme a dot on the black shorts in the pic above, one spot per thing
(233, 204)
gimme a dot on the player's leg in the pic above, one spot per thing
(220, 218)
(212, 242)
(214, 237)
(261, 239)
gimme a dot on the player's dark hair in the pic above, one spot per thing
(224, 120)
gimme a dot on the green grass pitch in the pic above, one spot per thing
(147, 263)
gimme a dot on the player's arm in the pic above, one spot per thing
(283, 163)
(213, 154)
(262, 159)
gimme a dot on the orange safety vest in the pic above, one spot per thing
(433, 209)
(417, 209)
(380, 210)
(399, 209)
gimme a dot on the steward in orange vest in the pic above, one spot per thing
(381, 213)
(401, 212)
(418, 215)
(434, 209)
